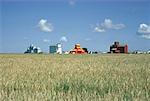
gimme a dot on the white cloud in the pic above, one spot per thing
(144, 28)
(25, 38)
(108, 24)
(88, 39)
(63, 39)
(71, 2)
(45, 26)
(99, 29)
(144, 31)
(146, 36)
(46, 40)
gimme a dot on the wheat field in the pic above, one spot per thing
(108, 77)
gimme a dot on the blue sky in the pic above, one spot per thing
(95, 24)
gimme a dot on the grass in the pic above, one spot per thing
(111, 77)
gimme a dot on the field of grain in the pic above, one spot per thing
(110, 77)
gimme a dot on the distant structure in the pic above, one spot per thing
(33, 49)
(59, 48)
(78, 50)
(85, 49)
(148, 52)
(52, 49)
(55, 49)
(117, 48)
(137, 52)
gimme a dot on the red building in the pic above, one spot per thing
(116, 48)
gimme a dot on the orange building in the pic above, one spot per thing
(77, 50)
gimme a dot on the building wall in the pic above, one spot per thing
(116, 48)
(52, 49)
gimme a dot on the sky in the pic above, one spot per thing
(95, 24)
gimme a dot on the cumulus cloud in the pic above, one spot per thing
(99, 29)
(146, 36)
(144, 31)
(46, 40)
(107, 24)
(144, 28)
(45, 26)
(63, 39)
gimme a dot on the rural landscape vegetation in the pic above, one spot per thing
(74, 50)
(107, 77)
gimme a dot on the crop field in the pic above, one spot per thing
(108, 77)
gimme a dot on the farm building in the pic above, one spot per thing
(33, 49)
(55, 49)
(117, 48)
(78, 50)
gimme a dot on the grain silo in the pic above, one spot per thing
(59, 48)
(56, 48)
(52, 49)
(33, 49)
(117, 48)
